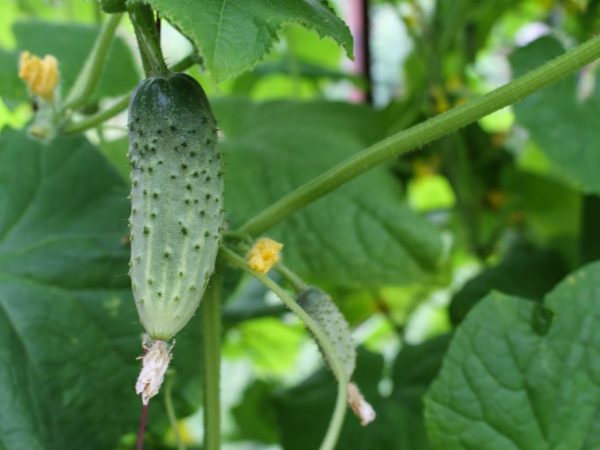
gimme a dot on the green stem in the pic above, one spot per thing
(424, 133)
(142, 18)
(337, 419)
(171, 411)
(98, 118)
(90, 73)
(119, 106)
(185, 63)
(211, 342)
(287, 273)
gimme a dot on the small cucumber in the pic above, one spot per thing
(319, 305)
(176, 200)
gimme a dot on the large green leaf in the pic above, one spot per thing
(519, 375)
(67, 325)
(361, 234)
(70, 43)
(232, 36)
(564, 126)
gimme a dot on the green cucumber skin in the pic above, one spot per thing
(320, 306)
(177, 210)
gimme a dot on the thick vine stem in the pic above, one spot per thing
(148, 39)
(92, 69)
(337, 419)
(422, 134)
(211, 367)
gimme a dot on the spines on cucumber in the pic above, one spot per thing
(320, 306)
(176, 200)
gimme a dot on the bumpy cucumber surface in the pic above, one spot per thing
(320, 306)
(176, 200)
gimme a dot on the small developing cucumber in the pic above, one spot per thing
(319, 305)
(324, 311)
(176, 200)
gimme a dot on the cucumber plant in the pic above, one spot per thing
(177, 206)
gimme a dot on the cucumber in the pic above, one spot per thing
(319, 305)
(177, 211)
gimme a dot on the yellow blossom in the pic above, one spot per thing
(41, 75)
(264, 255)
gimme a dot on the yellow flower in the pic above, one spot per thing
(41, 75)
(264, 255)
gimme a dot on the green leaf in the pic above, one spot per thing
(564, 126)
(67, 324)
(232, 37)
(519, 375)
(269, 344)
(254, 414)
(11, 86)
(414, 369)
(116, 152)
(303, 411)
(70, 43)
(361, 234)
(590, 222)
(525, 271)
(550, 210)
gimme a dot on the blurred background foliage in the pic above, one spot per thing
(507, 204)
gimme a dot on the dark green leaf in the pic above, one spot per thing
(525, 271)
(590, 240)
(232, 37)
(11, 87)
(303, 412)
(550, 210)
(519, 378)
(415, 368)
(254, 414)
(564, 126)
(68, 327)
(361, 234)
